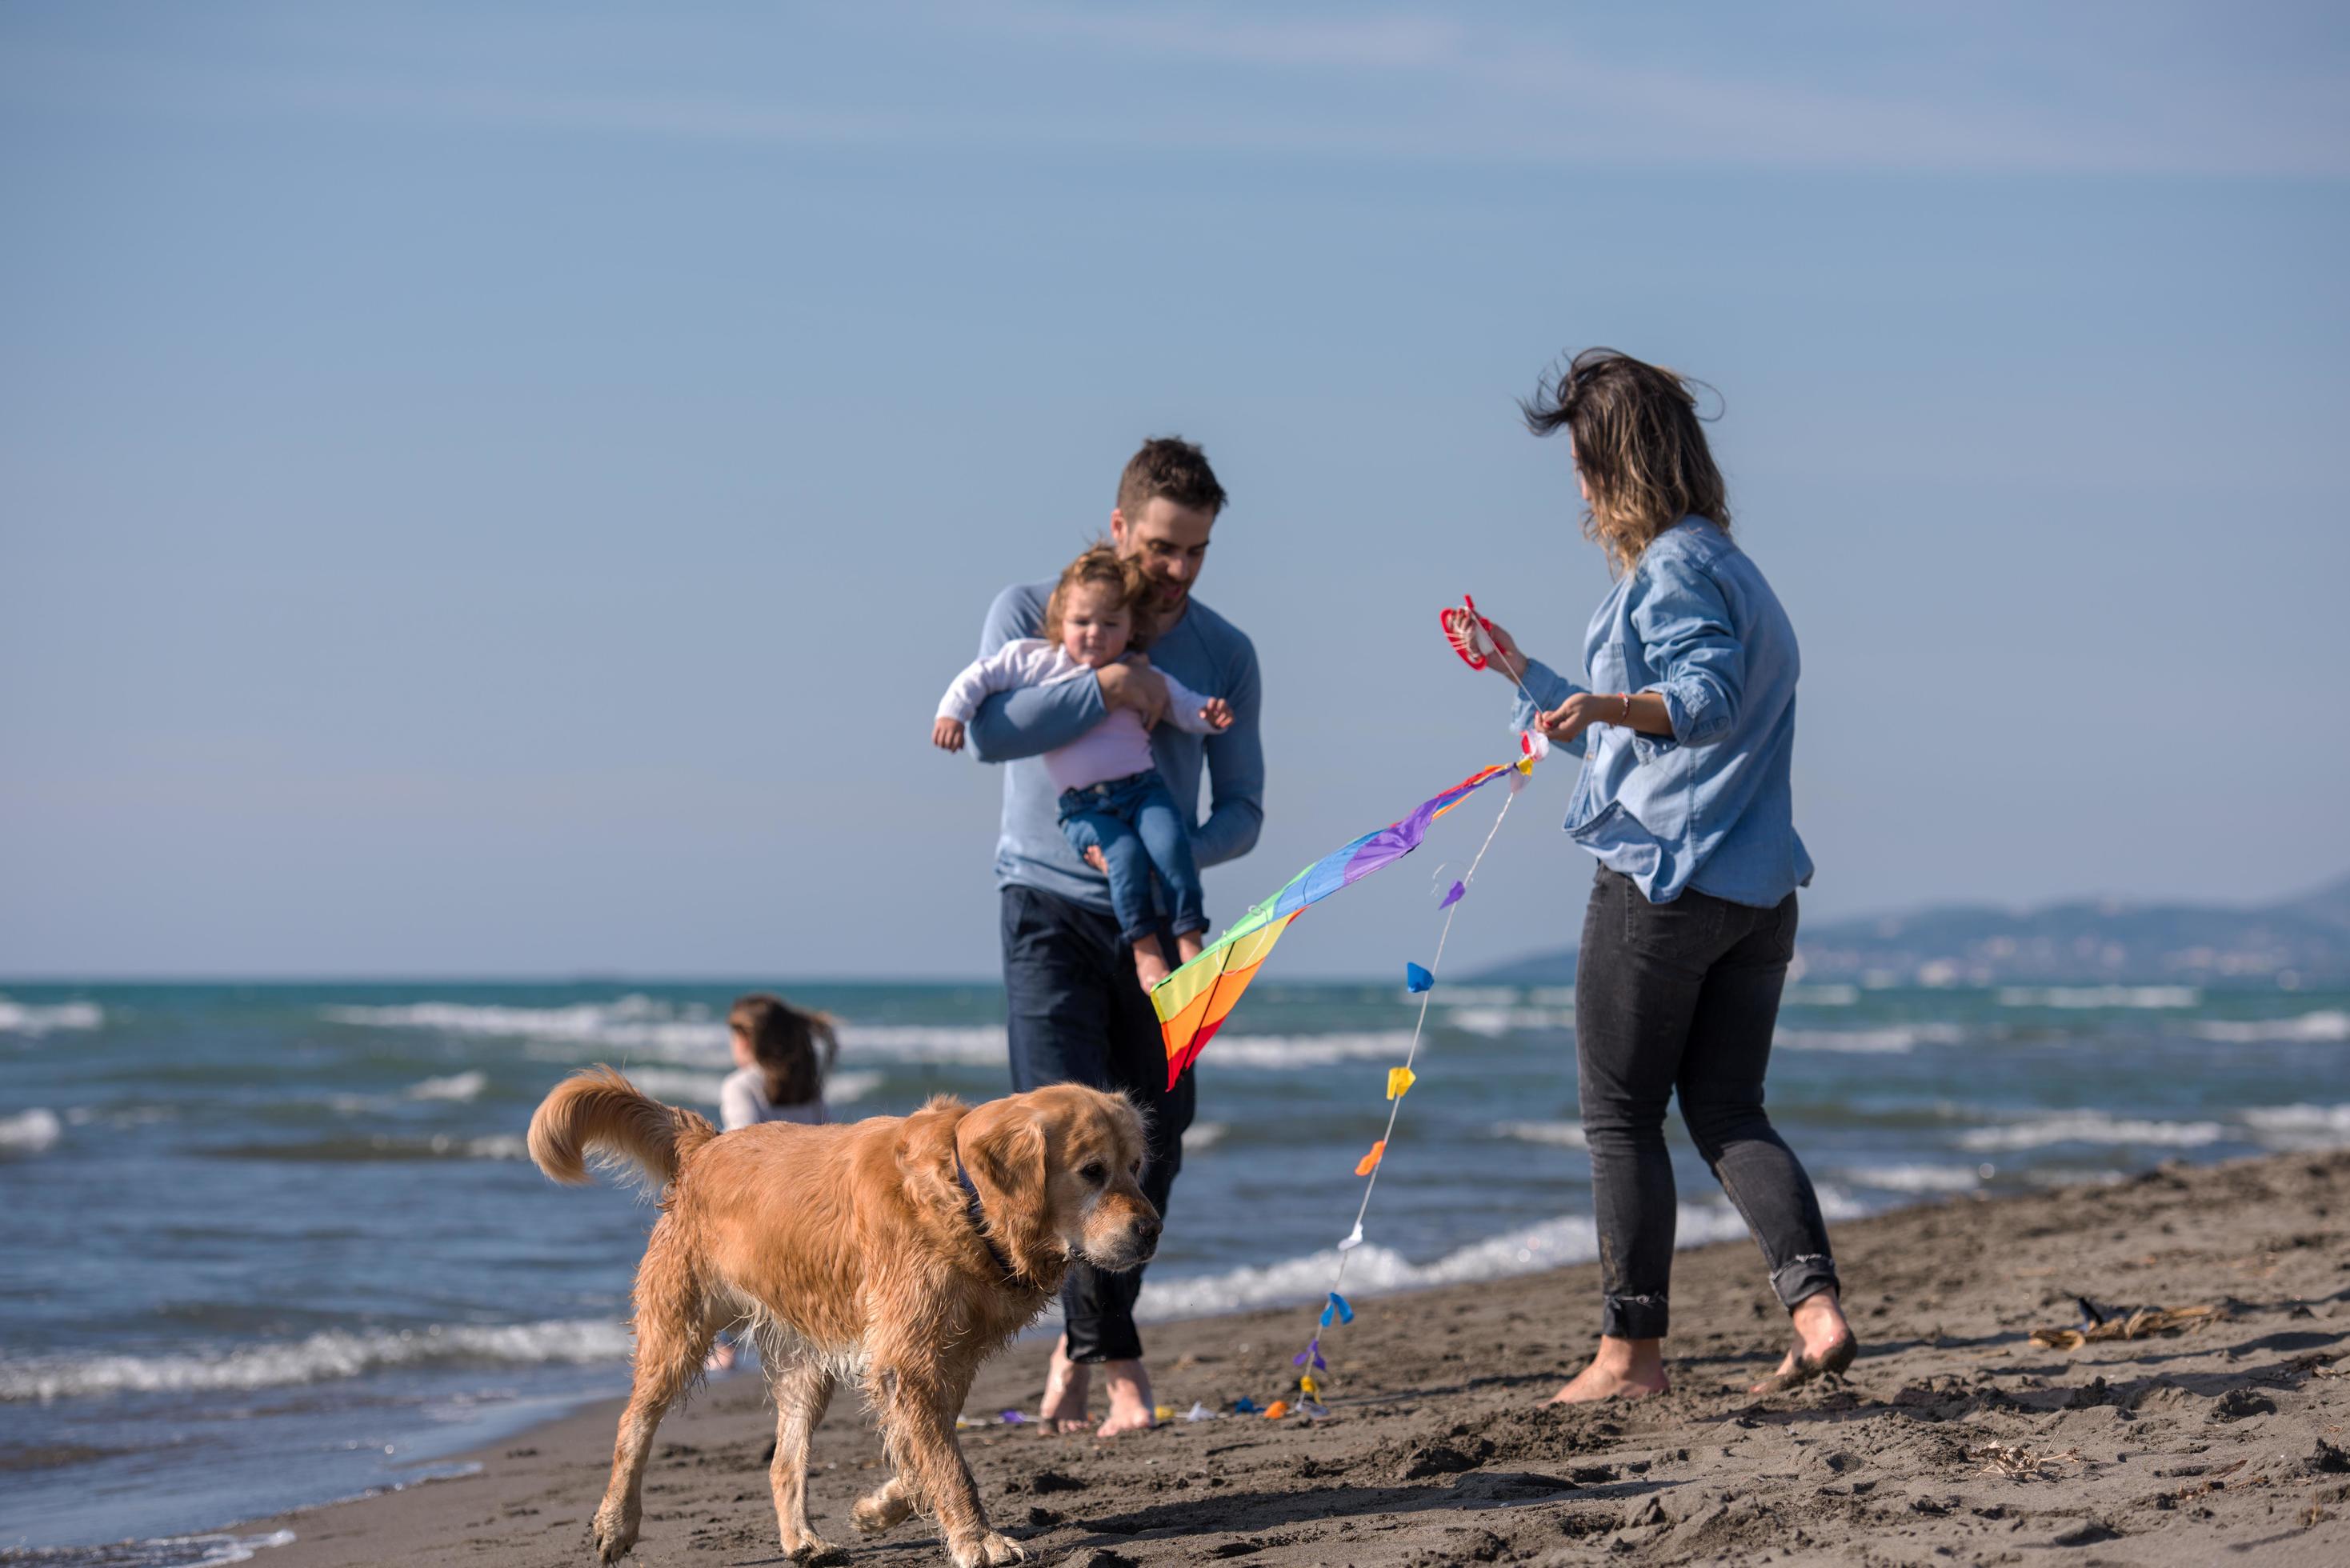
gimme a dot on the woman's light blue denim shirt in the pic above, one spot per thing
(1711, 807)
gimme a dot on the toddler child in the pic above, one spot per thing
(1115, 809)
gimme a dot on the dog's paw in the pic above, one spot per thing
(810, 1546)
(884, 1510)
(615, 1532)
(990, 1551)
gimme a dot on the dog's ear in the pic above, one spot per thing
(1007, 1145)
(1012, 1152)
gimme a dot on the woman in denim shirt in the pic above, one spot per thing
(1686, 737)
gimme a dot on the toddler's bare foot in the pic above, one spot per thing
(1188, 946)
(1150, 962)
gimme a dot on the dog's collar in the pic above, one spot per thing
(977, 1213)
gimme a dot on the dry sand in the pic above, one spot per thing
(1955, 1438)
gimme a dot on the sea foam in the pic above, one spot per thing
(1561, 1135)
(213, 1551)
(321, 1357)
(19, 1018)
(2300, 1127)
(2313, 1027)
(29, 1132)
(1918, 1177)
(1494, 1023)
(2091, 1127)
(456, 1087)
(1373, 1269)
(2100, 996)
(640, 1026)
(1891, 1040)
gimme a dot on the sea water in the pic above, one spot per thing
(265, 1246)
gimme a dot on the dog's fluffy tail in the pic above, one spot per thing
(596, 1112)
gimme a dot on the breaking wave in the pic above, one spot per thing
(19, 1018)
(2100, 996)
(456, 1087)
(1494, 1023)
(1888, 1041)
(213, 1551)
(1376, 1271)
(2092, 1126)
(2315, 1027)
(2300, 1127)
(1560, 1135)
(639, 1025)
(1918, 1177)
(29, 1132)
(321, 1357)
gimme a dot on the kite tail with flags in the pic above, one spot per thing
(1193, 1003)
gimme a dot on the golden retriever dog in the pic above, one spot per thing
(899, 1251)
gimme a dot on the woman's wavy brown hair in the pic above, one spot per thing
(1104, 567)
(1638, 445)
(793, 1049)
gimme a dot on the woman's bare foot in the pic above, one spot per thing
(1129, 1399)
(1823, 1343)
(1624, 1369)
(1066, 1386)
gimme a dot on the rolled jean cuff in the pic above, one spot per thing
(1799, 1279)
(1635, 1317)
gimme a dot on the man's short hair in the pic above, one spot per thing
(1174, 468)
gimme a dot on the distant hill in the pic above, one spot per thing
(2304, 940)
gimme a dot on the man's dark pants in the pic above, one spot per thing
(1077, 1015)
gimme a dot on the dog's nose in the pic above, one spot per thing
(1146, 1231)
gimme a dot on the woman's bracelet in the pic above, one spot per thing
(1625, 698)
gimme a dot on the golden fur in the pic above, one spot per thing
(850, 1250)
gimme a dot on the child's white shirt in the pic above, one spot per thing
(1116, 748)
(742, 1102)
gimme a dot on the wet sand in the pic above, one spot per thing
(1954, 1438)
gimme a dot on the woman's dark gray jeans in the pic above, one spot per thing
(1685, 996)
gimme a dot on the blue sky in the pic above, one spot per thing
(493, 489)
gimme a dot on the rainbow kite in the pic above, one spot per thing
(1194, 1000)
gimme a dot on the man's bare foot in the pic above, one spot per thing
(1129, 1399)
(1823, 1343)
(1066, 1386)
(1624, 1369)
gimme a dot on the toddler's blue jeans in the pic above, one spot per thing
(1134, 823)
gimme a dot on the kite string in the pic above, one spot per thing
(1395, 1106)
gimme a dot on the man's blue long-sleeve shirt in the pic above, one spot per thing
(1205, 652)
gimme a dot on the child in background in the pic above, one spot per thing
(782, 1056)
(1115, 809)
